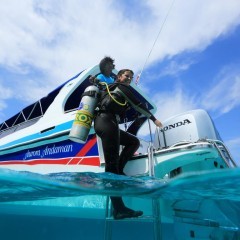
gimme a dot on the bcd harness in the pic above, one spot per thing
(103, 94)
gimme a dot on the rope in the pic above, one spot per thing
(161, 28)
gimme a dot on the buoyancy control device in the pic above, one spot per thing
(85, 115)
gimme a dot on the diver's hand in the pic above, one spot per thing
(158, 123)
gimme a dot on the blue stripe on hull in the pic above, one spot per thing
(62, 149)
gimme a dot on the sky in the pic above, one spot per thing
(188, 52)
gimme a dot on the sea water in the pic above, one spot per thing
(72, 206)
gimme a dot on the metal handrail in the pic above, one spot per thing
(150, 160)
(183, 147)
(215, 143)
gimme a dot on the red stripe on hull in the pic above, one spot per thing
(87, 146)
(92, 161)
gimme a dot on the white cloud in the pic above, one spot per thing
(60, 38)
(170, 104)
(31, 90)
(193, 25)
(5, 92)
(66, 35)
(224, 94)
(174, 68)
(2, 105)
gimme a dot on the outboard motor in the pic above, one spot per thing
(85, 114)
(186, 127)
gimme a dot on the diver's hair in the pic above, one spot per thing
(104, 62)
(122, 71)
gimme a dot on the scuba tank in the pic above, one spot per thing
(85, 114)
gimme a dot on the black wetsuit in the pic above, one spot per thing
(107, 128)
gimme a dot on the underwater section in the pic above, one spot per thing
(73, 205)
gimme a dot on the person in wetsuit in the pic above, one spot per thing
(107, 128)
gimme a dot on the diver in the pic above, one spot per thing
(112, 106)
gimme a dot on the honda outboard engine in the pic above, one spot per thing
(189, 126)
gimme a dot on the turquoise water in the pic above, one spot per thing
(72, 205)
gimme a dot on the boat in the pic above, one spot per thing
(37, 140)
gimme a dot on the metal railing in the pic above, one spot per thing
(224, 152)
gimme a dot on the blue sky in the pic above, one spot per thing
(195, 62)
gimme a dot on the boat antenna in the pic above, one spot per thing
(161, 28)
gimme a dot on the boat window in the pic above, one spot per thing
(33, 111)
